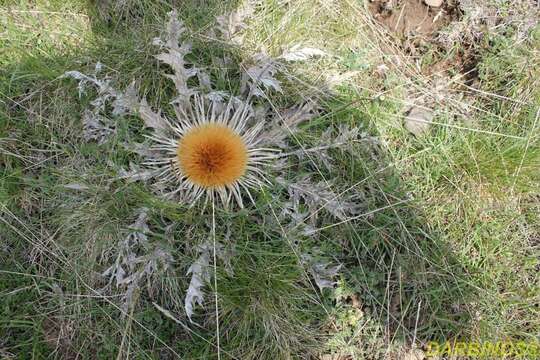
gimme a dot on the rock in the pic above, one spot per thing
(414, 354)
(418, 121)
(434, 3)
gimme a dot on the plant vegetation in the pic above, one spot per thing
(403, 208)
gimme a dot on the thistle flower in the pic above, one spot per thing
(210, 151)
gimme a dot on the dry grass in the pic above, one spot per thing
(436, 234)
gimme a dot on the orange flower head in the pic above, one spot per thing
(210, 151)
(212, 155)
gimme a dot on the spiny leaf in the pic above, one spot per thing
(260, 75)
(231, 25)
(174, 57)
(152, 119)
(296, 53)
(287, 123)
(199, 276)
(319, 195)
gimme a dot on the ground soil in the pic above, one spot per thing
(414, 24)
(412, 17)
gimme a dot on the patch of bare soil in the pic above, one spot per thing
(417, 23)
(405, 18)
(454, 31)
(464, 62)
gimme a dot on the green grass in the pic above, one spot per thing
(448, 248)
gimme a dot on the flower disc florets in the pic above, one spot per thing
(212, 155)
(210, 149)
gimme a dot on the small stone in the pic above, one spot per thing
(418, 121)
(434, 3)
(414, 354)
